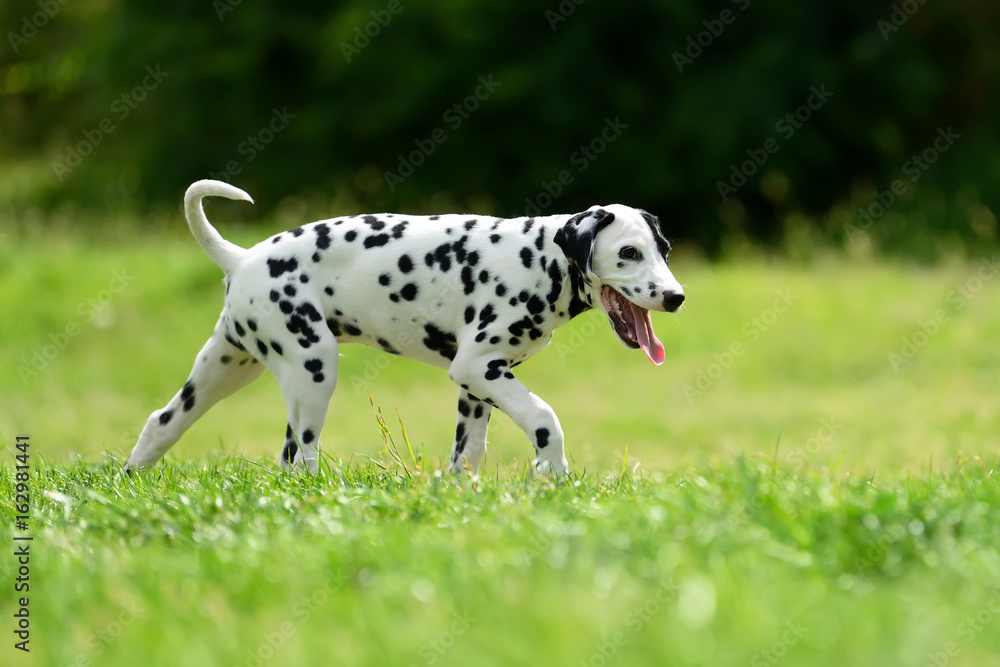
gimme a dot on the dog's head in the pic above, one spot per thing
(620, 256)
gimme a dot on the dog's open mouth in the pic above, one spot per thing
(632, 324)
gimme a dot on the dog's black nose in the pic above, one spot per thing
(672, 301)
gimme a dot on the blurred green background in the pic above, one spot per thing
(113, 107)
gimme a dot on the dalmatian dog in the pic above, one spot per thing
(475, 295)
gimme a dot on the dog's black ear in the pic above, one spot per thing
(578, 236)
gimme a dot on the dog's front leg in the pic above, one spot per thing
(470, 433)
(491, 380)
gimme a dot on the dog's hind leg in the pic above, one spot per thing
(470, 433)
(307, 377)
(220, 369)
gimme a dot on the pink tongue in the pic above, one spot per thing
(645, 337)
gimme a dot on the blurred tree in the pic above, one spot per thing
(731, 121)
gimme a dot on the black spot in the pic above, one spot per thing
(394, 297)
(308, 310)
(384, 279)
(304, 278)
(479, 411)
(275, 295)
(459, 248)
(501, 289)
(494, 238)
(376, 240)
(307, 436)
(469, 224)
(528, 225)
(484, 276)
(387, 346)
(540, 240)
(435, 217)
(405, 264)
(315, 366)
(316, 257)
(262, 348)
(279, 266)
(276, 238)
(442, 342)
(351, 330)
(440, 255)
(322, 236)
(328, 290)
(555, 275)
(470, 314)
(542, 437)
(526, 256)
(290, 450)
(240, 331)
(409, 291)
(351, 235)
(535, 305)
(276, 346)
(225, 359)
(486, 316)
(626, 291)
(467, 280)
(252, 324)
(188, 390)
(373, 222)
(497, 368)
(289, 290)
(397, 231)
(297, 232)
(286, 307)
(165, 417)
(494, 340)
(523, 296)
(463, 408)
(188, 404)
(334, 327)
(481, 336)
(235, 343)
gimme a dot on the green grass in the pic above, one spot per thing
(800, 496)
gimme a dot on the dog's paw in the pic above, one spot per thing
(554, 468)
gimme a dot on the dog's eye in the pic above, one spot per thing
(628, 252)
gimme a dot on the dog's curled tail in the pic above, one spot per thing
(227, 255)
